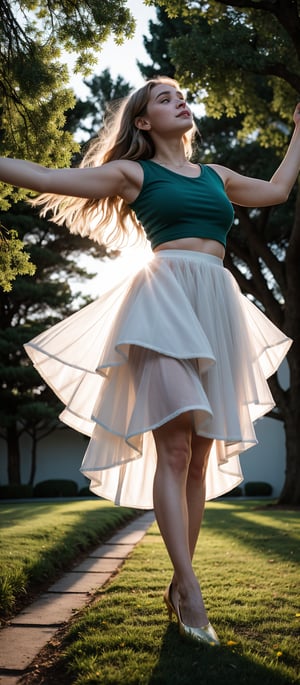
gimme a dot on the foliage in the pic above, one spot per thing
(33, 77)
(75, 26)
(14, 260)
(16, 491)
(258, 489)
(34, 92)
(87, 116)
(230, 53)
(56, 487)
(34, 303)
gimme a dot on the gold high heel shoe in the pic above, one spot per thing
(168, 602)
(206, 634)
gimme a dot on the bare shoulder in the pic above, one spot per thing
(132, 178)
(233, 181)
(222, 171)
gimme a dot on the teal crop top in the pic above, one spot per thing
(171, 206)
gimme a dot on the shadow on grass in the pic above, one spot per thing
(21, 512)
(55, 536)
(258, 527)
(183, 662)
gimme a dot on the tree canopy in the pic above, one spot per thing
(34, 92)
(35, 36)
(38, 300)
(229, 48)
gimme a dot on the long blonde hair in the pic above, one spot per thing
(110, 220)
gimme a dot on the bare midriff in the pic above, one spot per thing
(205, 245)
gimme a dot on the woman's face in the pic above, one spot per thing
(167, 112)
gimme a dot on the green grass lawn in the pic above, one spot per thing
(39, 540)
(247, 560)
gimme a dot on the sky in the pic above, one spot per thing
(121, 59)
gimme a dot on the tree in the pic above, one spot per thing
(13, 259)
(34, 303)
(27, 405)
(34, 92)
(241, 59)
(88, 115)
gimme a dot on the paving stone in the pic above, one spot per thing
(9, 679)
(131, 537)
(30, 630)
(74, 582)
(51, 609)
(135, 530)
(19, 645)
(102, 565)
(143, 522)
(111, 551)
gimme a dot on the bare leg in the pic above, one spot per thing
(173, 479)
(195, 494)
(195, 488)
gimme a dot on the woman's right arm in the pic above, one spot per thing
(113, 178)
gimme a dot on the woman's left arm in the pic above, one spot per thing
(254, 192)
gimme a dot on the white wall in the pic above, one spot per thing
(60, 456)
(266, 461)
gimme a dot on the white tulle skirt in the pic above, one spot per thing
(176, 337)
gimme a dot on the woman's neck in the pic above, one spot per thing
(177, 164)
(172, 153)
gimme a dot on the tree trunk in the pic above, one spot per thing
(291, 410)
(33, 461)
(291, 490)
(13, 456)
(291, 416)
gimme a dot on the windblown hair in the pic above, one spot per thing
(110, 221)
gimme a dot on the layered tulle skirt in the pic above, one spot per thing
(176, 337)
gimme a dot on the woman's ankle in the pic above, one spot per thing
(187, 586)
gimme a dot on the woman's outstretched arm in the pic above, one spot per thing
(254, 192)
(113, 178)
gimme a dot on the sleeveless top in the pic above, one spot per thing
(171, 206)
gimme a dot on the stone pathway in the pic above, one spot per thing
(33, 627)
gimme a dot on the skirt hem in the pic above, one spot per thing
(180, 337)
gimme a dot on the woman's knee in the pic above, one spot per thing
(197, 471)
(179, 455)
(173, 444)
(200, 454)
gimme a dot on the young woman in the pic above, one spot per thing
(167, 371)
